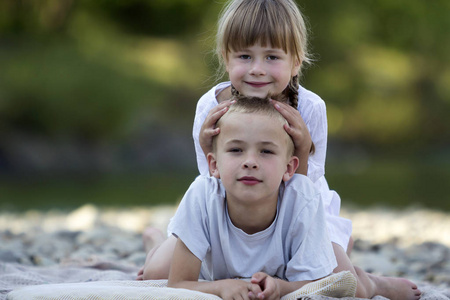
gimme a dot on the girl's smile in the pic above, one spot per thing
(257, 84)
(260, 71)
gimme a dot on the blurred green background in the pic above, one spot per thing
(97, 99)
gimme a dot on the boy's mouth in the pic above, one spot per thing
(249, 180)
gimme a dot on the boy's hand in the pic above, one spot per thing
(238, 289)
(299, 133)
(269, 286)
(209, 128)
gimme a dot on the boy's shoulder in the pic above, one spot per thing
(301, 186)
(205, 184)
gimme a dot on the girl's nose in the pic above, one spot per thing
(257, 68)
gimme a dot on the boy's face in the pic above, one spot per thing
(251, 156)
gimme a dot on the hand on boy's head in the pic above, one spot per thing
(296, 127)
(209, 129)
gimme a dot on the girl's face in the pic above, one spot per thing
(261, 71)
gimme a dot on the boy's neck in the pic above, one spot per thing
(252, 218)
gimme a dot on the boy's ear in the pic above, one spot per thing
(291, 168)
(212, 163)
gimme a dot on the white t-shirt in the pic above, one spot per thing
(295, 247)
(313, 111)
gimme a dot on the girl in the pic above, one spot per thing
(262, 44)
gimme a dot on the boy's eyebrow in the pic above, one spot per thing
(263, 143)
(268, 143)
(234, 141)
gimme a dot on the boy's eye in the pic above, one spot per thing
(235, 150)
(266, 151)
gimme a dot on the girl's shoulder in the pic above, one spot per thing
(306, 97)
(217, 93)
(212, 98)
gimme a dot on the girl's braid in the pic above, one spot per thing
(234, 92)
(292, 94)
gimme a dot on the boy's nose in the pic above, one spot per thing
(250, 163)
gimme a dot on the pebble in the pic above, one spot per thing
(412, 243)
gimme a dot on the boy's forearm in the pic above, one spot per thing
(210, 287)
(287, 287)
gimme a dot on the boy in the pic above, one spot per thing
(256, 229)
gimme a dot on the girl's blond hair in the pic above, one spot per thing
(275, 23)
(278, 23)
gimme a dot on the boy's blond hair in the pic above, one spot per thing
(255, 105)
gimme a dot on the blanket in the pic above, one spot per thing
(110, 280)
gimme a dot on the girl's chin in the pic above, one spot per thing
(259, 94)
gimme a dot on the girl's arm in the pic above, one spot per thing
(299, 133)
(209, 129)
(185, 270)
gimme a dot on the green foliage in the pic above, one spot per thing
(381, 69)
(90, 68)
(101, 71)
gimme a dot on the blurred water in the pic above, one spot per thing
(363, 181)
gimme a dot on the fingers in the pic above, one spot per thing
(218, 111)
(258, 277)
(210, 132)
(254, 291)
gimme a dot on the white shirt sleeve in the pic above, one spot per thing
(313, 111)
(312, 255)
(190, 223)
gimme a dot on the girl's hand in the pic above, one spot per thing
(209, 128)
(238, 289)
(299, 133)
(269, 286)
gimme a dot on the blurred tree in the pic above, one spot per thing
(98, 69)
(382, 68)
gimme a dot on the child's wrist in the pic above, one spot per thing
(301, 152)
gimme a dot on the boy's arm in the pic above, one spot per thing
(185, 270)
(274, 288)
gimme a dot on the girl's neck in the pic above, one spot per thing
(225, 94)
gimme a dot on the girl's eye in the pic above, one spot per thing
(244, 56)
(272, 57)
(235, 150)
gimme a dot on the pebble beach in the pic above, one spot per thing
(412, 243)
